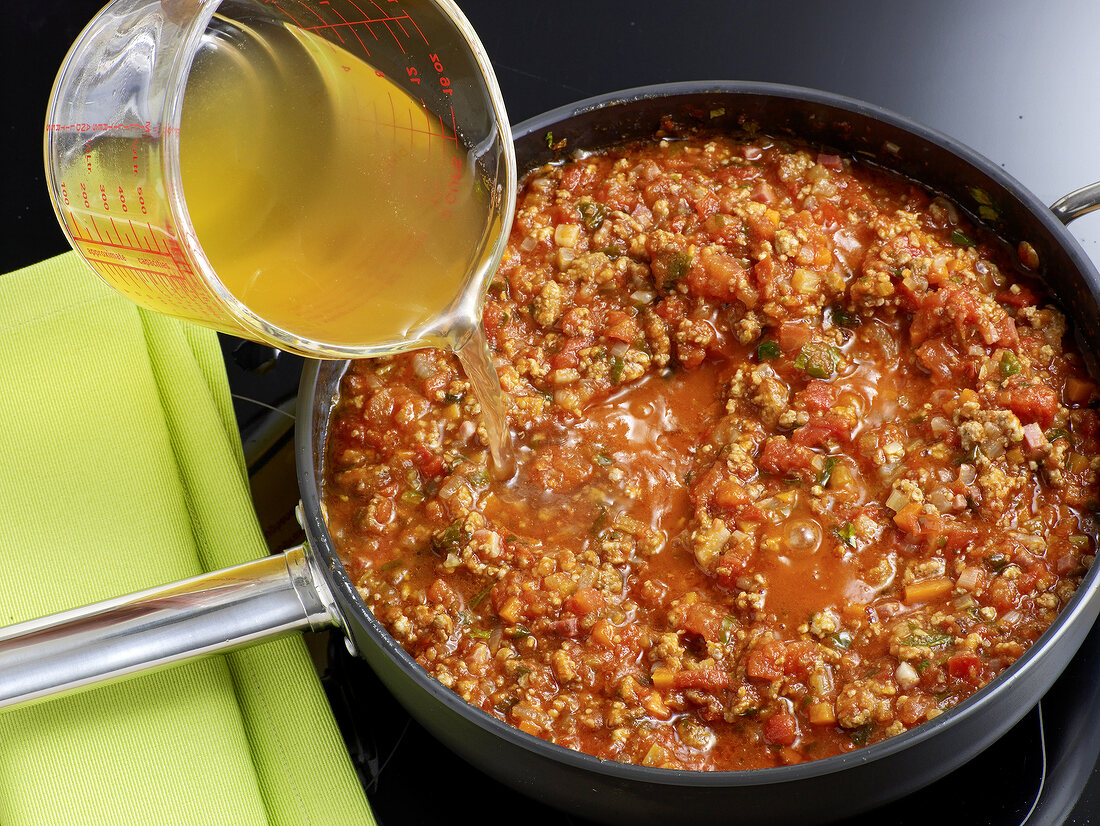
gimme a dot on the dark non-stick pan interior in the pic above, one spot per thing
(815, 792)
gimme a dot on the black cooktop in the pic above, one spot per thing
(1014, 79)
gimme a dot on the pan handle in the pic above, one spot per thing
(161, 626)
(1077, 203)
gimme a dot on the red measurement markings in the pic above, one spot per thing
(127, 241)
(404, 31)
(290, 16)
(364, 14)
(397, 21)
(368, 22)
(413, 130)
(137, 235)
(333, 27)
(80, 232)
(116, 240)
(95, 227)
(347, 23)
(128, 259)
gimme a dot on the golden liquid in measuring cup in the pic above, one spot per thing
(331, 203)
(328, 201)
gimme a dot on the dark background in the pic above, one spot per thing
(1016, 80)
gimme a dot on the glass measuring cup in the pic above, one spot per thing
(332, 177)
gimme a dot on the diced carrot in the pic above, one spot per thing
(821, 714)
(854, 610)
(927, 590)
(603, 632)
(1078, 391)
(653, 703)
(510, 611)
(587, 600)
(906, 518)
(662, 678)
(529, 727)
(1077, 463)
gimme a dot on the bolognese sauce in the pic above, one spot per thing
(804, 457)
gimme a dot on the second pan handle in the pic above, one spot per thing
(1077, 203)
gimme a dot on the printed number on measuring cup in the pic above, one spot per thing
(444, 81)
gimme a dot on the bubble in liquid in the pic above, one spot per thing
(803, 535)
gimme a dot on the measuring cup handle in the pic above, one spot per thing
(161, 626)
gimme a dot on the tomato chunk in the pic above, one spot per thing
(781, 729)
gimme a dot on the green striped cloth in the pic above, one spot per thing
(120, 469)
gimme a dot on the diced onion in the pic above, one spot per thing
(805, 281)
(897, 500)
(906, 676)
(449, 488)
(821, 681)
(939, 425)
(967, 474)
(566, 235)
(941, 499)
(887, 470)
(423, 364)
(963, 603)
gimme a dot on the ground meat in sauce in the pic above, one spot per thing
(804, 460)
